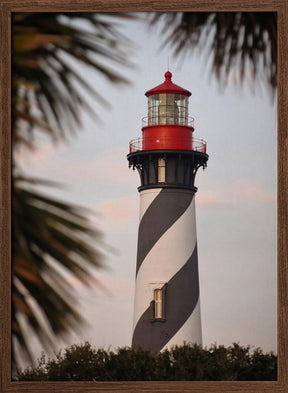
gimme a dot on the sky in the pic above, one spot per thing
(235, 202)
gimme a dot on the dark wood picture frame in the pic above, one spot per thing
(10, 6)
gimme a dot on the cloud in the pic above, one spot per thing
(117, 285)
(109, 166)
(239, 192)
(106, 284)
(44, 158)
(212, 198)
(117, 211)
(251, 191)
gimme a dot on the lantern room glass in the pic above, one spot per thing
(168, 109)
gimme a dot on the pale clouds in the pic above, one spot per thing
(44, 158)
(248, 190)
(243, 192)
(116, 286)
(111, 167)
(104, 284)
(108, 166)
(211, 198)
(115, 212)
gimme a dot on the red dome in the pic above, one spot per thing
(168, 87)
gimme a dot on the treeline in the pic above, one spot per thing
(181, 363)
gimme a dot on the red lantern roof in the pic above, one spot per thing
(168, 87)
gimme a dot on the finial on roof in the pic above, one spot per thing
(168, 75)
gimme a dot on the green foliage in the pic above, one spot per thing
(181, 363)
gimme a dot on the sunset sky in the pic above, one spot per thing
(235, 202)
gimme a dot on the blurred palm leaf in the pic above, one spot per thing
(53, 241)
(45, 91)
(242, 43)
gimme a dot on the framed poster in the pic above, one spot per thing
(280, 7)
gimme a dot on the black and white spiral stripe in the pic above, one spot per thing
(167, 255)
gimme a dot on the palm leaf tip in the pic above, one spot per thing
(39, 65)
(51, 241)
(243, 43)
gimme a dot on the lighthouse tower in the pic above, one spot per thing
(167, 157)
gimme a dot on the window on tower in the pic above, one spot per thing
(161, 170)
(158, 303)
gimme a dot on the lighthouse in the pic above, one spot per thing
(167, 157)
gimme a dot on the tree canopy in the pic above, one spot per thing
(82, 362)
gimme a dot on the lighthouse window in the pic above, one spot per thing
(161, 170)
(182, 103)
(168, 111)
(167, 108)
(153, 104)
(158, 301)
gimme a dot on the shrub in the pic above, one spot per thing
(180, 363)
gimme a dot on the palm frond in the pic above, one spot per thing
(51, 242)
(244, 43)
(44, 45)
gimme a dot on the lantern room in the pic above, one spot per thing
(168, 125)
(167, 103)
